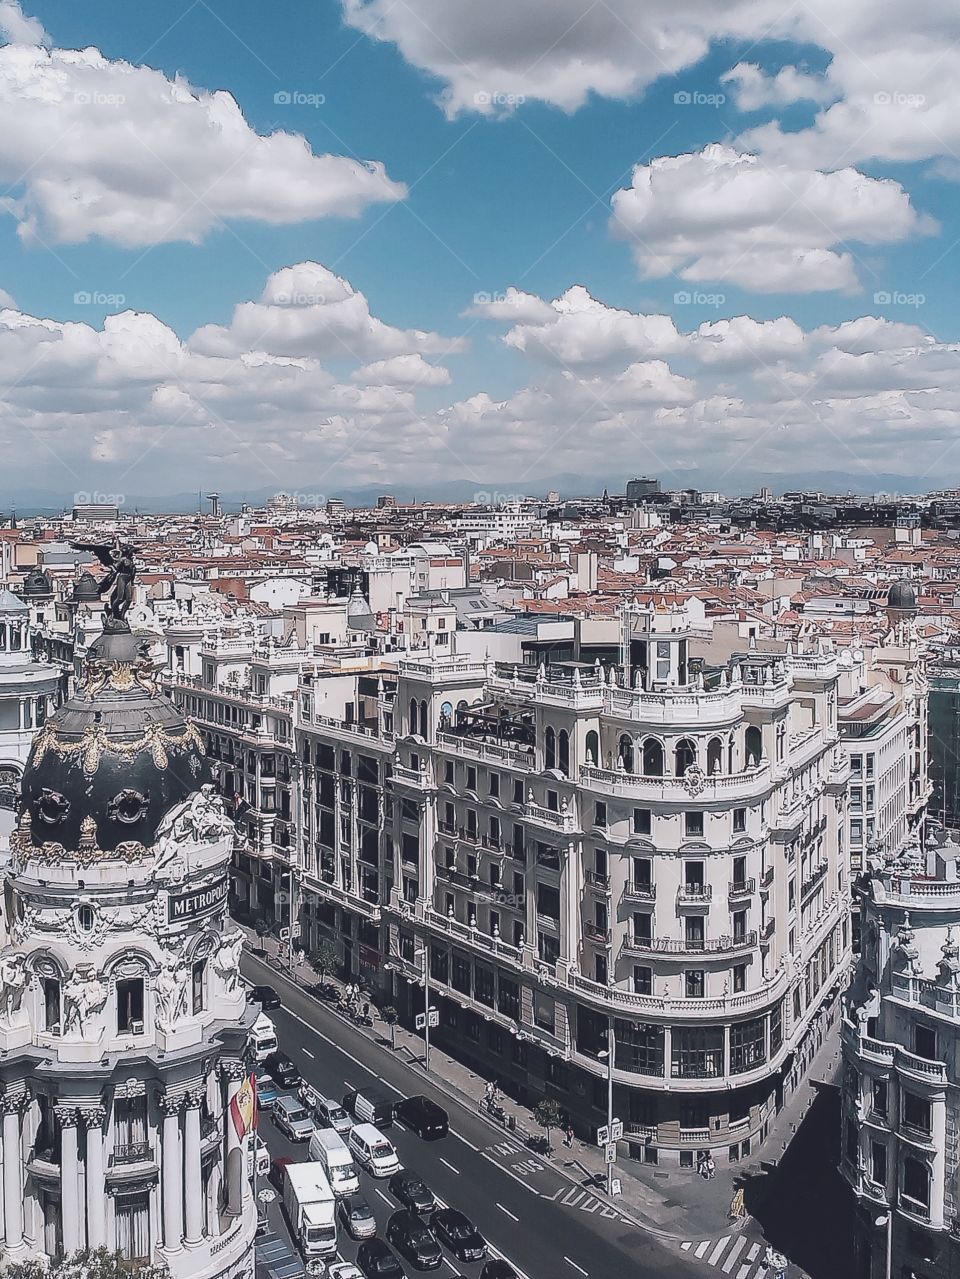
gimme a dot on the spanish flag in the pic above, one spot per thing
(243, 1108)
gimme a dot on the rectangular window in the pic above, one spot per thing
(471, 779)
(448, 772)
(916, 1183)
(916, 1113)
(693, 984)
(696, 1053)
(51, 1005)
(508, 998)
(693, 824)
(199, 985)
(548, 901)
(739, 925)
(130, 1006)
(642, 980)
(518, 790)
(925, 1042)
(642, 925)
(600, 814)
(484, 985)
(739, 820)
(461, 975)
(439, 965)
(776, 1028)
(879, 1098)
(495, 785)
(746, 1045)
(878, 1161)
(642, 872)
(693, 932)
(132, 1214)
(739, 978)
(642, 821)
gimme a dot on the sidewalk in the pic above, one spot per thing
(672, 1203)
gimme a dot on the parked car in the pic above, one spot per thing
(458, 1233)
(377, 1261)
(266, 997)
(292, 1119)
(425, 1117)
(370, 1106)
(343, 1270)
(283, 1069)
(498, 1269)
(278, 1171)
(408, 1189)
(267, 1091)
(412, 1238)
(356, 1217)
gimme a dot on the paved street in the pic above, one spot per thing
(529, 1211)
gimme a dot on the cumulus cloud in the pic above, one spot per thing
(99, 148)
(307, 310)
(17, 28)
(754, 88)
(722, 215)
(403, 370)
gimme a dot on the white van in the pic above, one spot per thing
(329, 1149)
(372, 1151)
(263, 1038)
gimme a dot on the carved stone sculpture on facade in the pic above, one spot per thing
(170, 989)
(226, 959)
(200, 819)
(13, 982)
(83, 995)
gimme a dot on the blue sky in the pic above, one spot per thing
(814, 241)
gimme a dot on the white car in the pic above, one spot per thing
(343, 1270)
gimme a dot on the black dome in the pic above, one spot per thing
(37, 585)
(902, 596)
(85, 589)
(118, 752)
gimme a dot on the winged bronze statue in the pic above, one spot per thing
(118, 580)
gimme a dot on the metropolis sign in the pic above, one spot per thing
(196, 902)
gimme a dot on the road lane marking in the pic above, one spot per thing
(450, 1166)
(461, 1137)
(752, 1254)
(508, 1212)
(721, 1244)
(308, 1053)
(500, 1168)
(701, 1249)
(454, 1269)
(575, 1266)
(388, 1202)
(398, 1124)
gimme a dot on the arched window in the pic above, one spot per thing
(753, 746)
(714, 756)
(563, 751)
(14, 639)
(652, 758)
(593, 748)
(549, 749)
(626, 753)
(423, 719)
(684, 755)
(414, 718)
(730, 745)
(446, 714)
(3, 637)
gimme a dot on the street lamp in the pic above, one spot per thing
(887, 1220)
(608, 1053)
(422, 953)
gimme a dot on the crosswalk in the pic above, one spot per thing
(583, 1201)
(277, 1257)
(734, 1255)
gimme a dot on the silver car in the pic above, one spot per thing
(291, 1118)
(356, 1217)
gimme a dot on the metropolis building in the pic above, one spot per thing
(122, 1015)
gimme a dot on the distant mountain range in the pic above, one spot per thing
(41, 501)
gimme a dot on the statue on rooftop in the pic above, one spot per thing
(118, 560)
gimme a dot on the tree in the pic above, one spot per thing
(97, 1264)
(324, 959)
(548, 1115)
(389, 1015)
(261, 927)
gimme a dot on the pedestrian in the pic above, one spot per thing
(710, 1168)
(568, 1136)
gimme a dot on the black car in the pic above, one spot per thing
(459, 1234)
(266, 997)
(425, 1117)
(282, 1069)
(377, 1261)
(413, 1239)
(408, 1189)
(498, 1269)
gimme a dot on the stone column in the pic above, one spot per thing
(12, 1107)
(172, 1162)
(193, 1182)
(233, 1072)
(68, 1118)
(93, 1118)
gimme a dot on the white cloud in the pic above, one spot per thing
(17, 28)
(403, 370)
(307, 310)
(513, 305)
(97, 148)
(580, 330)
(6, 300)
(754, 88)
(721, 215)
